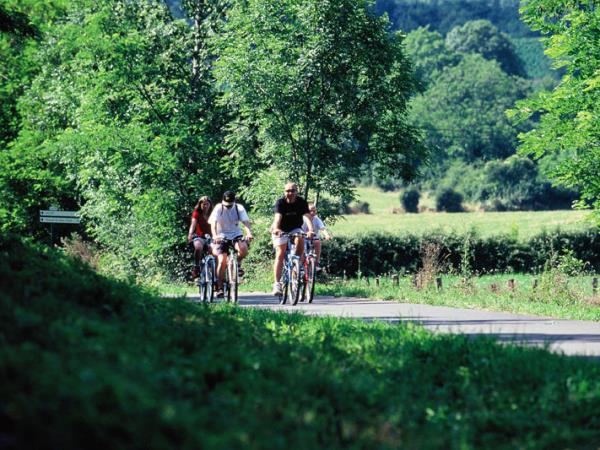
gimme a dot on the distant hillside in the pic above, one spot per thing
(443, 15)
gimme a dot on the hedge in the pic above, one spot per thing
(376, 254)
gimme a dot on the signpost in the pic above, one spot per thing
(53, 215)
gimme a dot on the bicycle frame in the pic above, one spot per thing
(291, 277)
(231, 276)
(207, 279)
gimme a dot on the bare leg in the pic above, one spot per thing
(317, 244)
(278, 264)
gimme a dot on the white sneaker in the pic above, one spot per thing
(277, 289)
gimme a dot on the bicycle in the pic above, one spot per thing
(207, 273)
(292, 276)
(232, 275)
(310, 270)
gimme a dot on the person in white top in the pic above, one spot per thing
(319, 227)
(224, 220)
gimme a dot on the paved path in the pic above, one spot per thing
(571, 337)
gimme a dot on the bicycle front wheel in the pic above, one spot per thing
(202, 285)
(295, 282)
(209, 270)
(232, 269)
(311, 275)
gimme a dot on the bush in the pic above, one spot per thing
(358, 208)
(378, 254)
(410, 200)
(448, 200)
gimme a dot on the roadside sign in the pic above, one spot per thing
(53, 216)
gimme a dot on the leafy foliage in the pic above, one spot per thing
(463, 111)
(569, 122)
(321, 86)
(483, 38)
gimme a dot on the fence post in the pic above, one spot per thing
(594, 286)
(438, 283)
(377, 281)
(395, 280)
(344, 275)
(511, 284)
(535, 283)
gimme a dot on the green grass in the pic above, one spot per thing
(555, 296)
(84, 359)
(522, 224)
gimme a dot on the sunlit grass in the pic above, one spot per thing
(521, 224)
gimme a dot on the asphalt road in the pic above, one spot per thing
(570, 337)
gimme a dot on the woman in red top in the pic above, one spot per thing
(199, 228)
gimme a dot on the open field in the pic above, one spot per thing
(522, 224)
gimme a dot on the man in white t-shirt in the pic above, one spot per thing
(224, 220)
(319, 227)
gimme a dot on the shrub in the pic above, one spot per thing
(410, 200)
(447, 199)
(358, 208)
(377, 254)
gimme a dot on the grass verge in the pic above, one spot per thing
(87, 361)
(554, 295)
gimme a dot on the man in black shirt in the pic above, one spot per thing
(290, 212)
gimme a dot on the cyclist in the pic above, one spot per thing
(199, 228)
(318, 227)
(291, 211)
(225, 219)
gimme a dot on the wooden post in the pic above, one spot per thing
(594, 286)
(377, 281)
(414, 280)
(511, 284)
(438, 283)
(344, 275)
(535, 284)
(395, 280)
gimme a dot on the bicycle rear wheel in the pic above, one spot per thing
(295, 282)
(311, 275)
(210, 279)
(285, 283)
(202, 284)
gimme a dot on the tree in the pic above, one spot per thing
(462, 113)
(118, 118)
(570, 114)
(480, 36)
(316, 88)
(429, 54)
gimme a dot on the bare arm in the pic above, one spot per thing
(249, 235)
(276, 224)
(191, 230)
(309, 223)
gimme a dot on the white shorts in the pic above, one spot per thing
(280, 240)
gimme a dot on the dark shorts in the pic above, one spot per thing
(223, 247)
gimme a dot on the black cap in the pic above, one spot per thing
(228, 198)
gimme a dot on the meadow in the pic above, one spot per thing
(522, 224)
